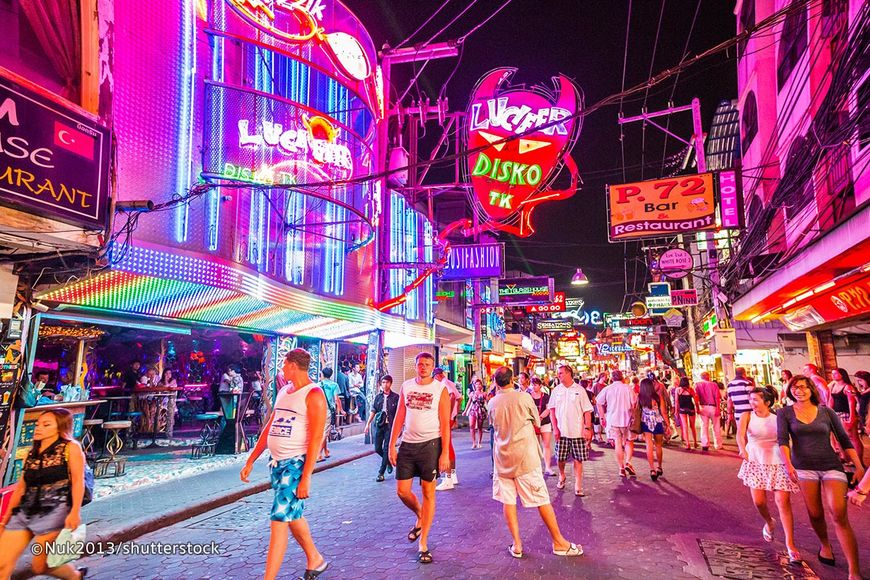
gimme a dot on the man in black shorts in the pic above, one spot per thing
(424, 413)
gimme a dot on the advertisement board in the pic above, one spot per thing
(474, 261)
(661, 207)
(730, 199)
(537, 290)
(676, 263)
(558, 305)
(53, 162)
(684, 297)
(510, 164)
(554, 325)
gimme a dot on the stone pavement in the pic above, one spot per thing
(197, 486)
(696, 522)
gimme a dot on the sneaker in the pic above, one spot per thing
(453, 477)
(549, 473)
(630, 470)
(380, 477)
(446, 483)
(389, 468)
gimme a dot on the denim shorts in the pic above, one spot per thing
(821, 475)
(41, 523)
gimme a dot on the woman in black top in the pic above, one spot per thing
(687, 404)
(546, 433)
(48, 496)
(844, 401)
(804, 435)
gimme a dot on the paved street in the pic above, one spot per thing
(697, 519)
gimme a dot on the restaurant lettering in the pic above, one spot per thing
(54, 162)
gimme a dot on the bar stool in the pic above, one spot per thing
(88, 438)
(208, 435)
(114, 445)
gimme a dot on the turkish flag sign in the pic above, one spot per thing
(74, 140)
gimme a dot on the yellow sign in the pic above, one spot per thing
(662, 207)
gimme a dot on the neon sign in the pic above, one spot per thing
(520, 138)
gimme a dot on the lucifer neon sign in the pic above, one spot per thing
(520, 138)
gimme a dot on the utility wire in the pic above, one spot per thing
(428, 20)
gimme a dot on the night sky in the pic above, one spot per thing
(584, 40)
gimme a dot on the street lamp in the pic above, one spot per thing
(579, 278)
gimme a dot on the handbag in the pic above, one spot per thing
(636, 420)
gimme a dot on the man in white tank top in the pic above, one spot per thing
(424, 412)
(293, 435)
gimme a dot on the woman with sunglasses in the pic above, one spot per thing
(804, 435)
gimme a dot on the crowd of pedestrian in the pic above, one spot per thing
(805, 439)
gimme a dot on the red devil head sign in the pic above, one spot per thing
(520, 139)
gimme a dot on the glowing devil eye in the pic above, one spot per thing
(349, 54)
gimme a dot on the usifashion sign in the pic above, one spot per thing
(474, 261)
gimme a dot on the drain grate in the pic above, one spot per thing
(729, 560)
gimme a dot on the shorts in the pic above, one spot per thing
(659, 429)
(530, 487)
(418, 460)
(548, 428)
(330, 415)
(576, 448)
(285, 478)
(822, 475)
(623, 433)
(41, 523)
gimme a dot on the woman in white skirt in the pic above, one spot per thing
(763, 468)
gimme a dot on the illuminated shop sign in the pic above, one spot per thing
(846, 299)
(537, 290)
(661, 207)
(730, 199)
(510, 177)
(605, 349)
(53, 162)
(558, 305)
(554, 325)
(474, 261)
(684, 297)
(299, 21)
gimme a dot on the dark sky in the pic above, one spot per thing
(585, 40)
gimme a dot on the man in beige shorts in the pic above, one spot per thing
(517, 458)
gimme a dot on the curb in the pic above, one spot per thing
(193, 510)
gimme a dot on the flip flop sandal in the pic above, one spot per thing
(573, 550)
(579, 493)
(312, 574)
(767, 533)
(425, 557)
(414, 534)
(517, 555)
(561, 484)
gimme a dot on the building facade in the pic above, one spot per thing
(804, 258)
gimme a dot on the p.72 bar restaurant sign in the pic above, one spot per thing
(520, 139)
(662, 207)
(53, 162)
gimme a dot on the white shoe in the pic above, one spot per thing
(446, 483)
(453, 477)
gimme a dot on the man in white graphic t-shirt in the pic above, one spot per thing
(424, 413)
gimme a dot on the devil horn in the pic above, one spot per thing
(488, 86)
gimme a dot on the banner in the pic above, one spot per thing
(53, 162)
(661, 207)
(558, 305)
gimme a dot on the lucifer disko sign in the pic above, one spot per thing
(520, 139)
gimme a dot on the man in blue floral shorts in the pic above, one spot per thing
(293, 435)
